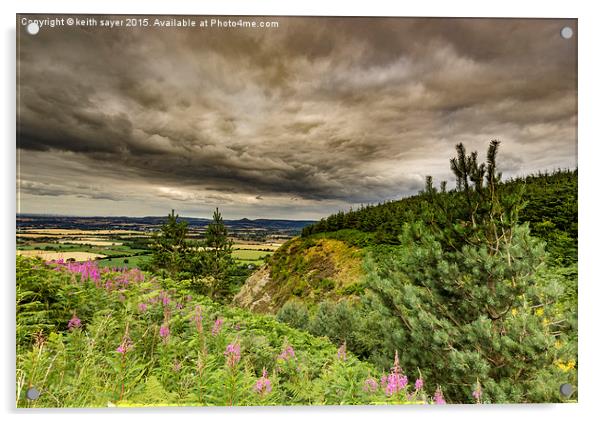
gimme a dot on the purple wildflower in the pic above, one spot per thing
(395, 381)
(232, 354)
(125, 346)
(478, 392)
(177, 365)
(217, 326)
(419, 384)
(142, 307)
(74, 322)
(438, 398)
(287, 353)
(263, 385)
(370, 385)
(164, 332)
(198, 318)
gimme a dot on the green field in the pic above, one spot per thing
(249, 255)
(132, 261)
(118, 254)
(113, 250)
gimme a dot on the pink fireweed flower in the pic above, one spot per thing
(136, 275)
(142, 307)
(74, 322)
(125, 346)
(263, 385)
(164, 332)
(342, 352)
(198, 318)
(370, 385)
(232, 354)
(395, 381)
(478, 392)
(419, 384)
(438, 398)
(217, 326)
(287, 353)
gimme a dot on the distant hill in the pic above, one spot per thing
(145, 223)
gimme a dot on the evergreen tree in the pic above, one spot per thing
(458, 302)
(218, 260)
(169, 247)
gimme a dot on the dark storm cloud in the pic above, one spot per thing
(329, 111)
(47, 189)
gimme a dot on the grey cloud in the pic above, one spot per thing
(329, 111)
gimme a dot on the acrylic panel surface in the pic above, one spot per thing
(267, 210)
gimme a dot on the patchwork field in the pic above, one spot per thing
(53, 256)
(116, 248)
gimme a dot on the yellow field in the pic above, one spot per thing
(255, 247)
(93, 242)
(48, 256)
(72, 232)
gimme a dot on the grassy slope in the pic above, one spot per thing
(82, 367)
(328, 264)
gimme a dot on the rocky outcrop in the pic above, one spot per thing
(255, 295)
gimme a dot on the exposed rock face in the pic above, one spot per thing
(254, 295)
(311, 270)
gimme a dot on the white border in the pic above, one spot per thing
(590, 71)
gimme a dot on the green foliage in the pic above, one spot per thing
(457, 298)
(217, 261)
(295, 314)
(208, 267)
(550, 206)
(121, 356)
(466, 293)
(314, 269)
(170, 249)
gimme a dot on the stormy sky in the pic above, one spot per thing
(299, 121)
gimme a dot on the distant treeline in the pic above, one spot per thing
(550, 208)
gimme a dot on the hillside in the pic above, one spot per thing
(313, 269)
(90, 337)
(326, 262)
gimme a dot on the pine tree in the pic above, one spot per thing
(170, 248)
(458, 300)
(218, 260)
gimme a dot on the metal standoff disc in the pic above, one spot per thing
(566, 390)
(32, 393)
